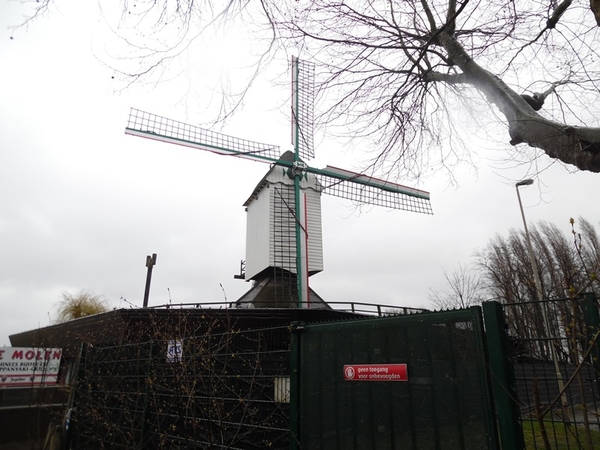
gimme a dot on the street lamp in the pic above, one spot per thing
(540, 298)
(536, 277)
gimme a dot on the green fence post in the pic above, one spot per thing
(502, 375)
(296, 329)
(592, 324)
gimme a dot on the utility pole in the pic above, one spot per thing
(150, 262)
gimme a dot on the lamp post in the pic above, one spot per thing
(540, 298)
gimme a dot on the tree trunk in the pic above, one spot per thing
(578, 146)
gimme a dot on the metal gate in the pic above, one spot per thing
(424, 384)
(555, 352)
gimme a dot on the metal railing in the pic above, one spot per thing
(370, 309)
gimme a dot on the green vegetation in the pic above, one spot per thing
(84, 303)
(560, 436)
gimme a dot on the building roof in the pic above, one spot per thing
(287, 156)
(143, 324)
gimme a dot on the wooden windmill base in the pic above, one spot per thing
(277, 288)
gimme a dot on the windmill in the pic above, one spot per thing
(357, 187)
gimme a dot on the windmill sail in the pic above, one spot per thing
(303, 100)
(144, 124)
(360, 188)
(367, 190)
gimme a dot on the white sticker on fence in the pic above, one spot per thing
(282, 389)
(174, 351)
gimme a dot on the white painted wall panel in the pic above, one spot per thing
(272, 244)
(315, 231)
(257, 234)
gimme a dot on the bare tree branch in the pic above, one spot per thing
(393, 72)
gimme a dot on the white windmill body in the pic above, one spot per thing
(271, 237)
(271, 226)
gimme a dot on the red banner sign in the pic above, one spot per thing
(376, 372)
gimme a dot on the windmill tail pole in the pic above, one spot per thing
(150, 262)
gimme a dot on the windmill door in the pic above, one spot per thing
(401, 382)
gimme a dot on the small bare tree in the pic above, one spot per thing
(587, 244)
(464, 289)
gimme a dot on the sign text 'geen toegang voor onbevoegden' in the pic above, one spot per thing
(376, 372)
(26, 366)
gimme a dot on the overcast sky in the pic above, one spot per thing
(82, 204)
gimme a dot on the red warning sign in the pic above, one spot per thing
(376, 372)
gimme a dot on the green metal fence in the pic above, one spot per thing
(555, 348)
(490, 377)
(441, 401)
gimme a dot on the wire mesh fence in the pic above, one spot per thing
(555, 349)
(209, 390)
